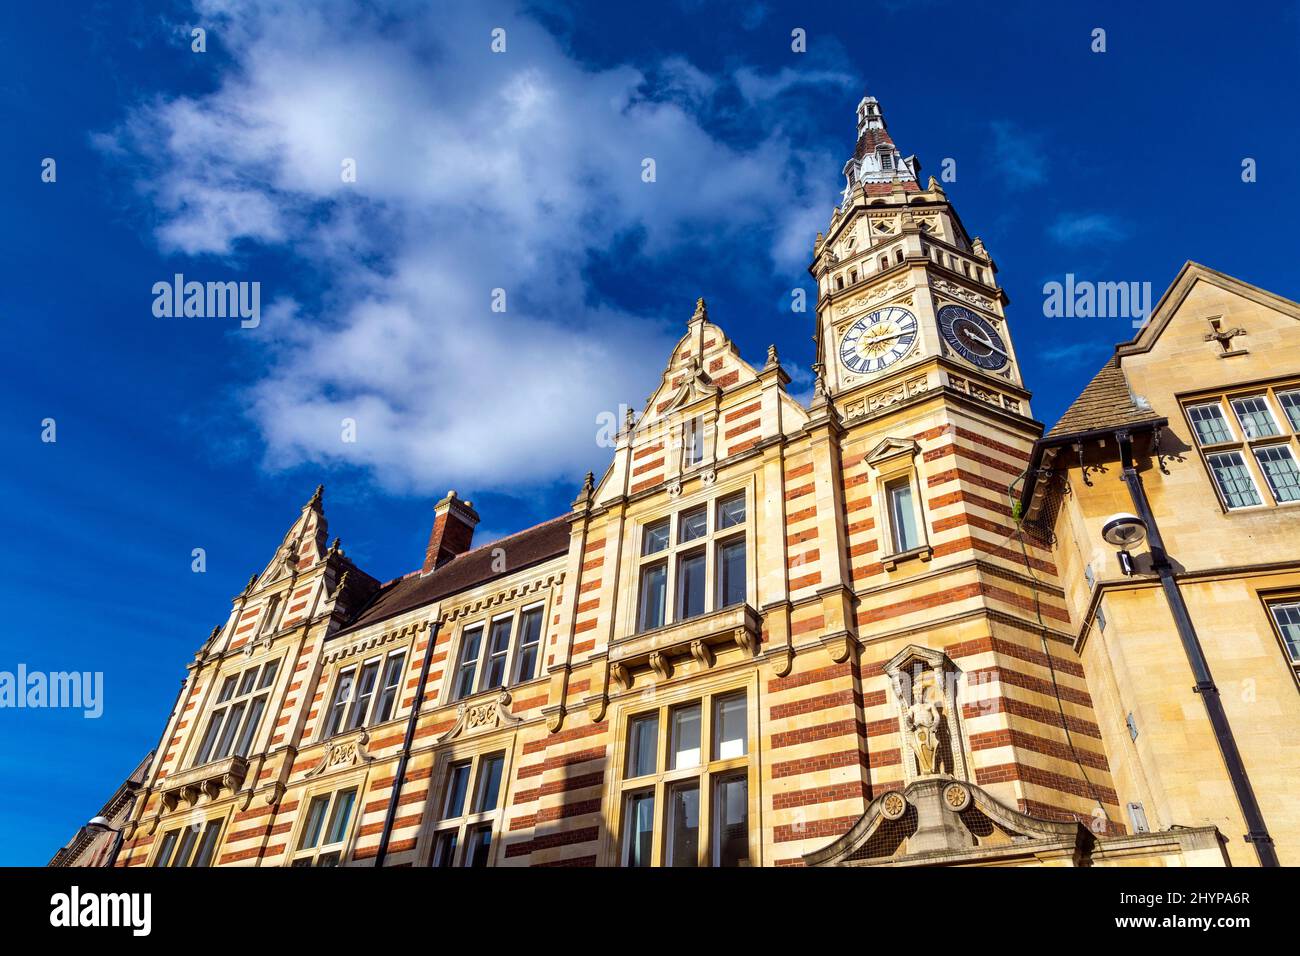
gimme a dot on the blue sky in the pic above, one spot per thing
(519, 171)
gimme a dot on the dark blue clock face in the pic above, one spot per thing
(876, 341)
(973, 337)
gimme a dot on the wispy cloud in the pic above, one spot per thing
(1075, 354)
(474, 172)
(1017, 154)
(1078, 229)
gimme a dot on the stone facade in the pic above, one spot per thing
(768, 634)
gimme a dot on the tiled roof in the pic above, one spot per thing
(1105, 403)
(521, 550)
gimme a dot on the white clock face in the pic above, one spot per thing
(878, 340)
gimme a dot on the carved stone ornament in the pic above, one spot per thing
(893, 806)
(702, 653)
(674, 488)
(924, 682)
(956, 797)
(490, 715)
(661, 665)
(622, 676)
(342, 753)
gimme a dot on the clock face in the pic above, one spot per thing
(972, 337)
(878, 340)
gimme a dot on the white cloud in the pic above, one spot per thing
(475, 171)
(1075, 229)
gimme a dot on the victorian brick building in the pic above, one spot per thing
(767, 633)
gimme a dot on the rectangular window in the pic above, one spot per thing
(530, 642)
(365, 694)
(342, 697)
(1254, 415)
(684, 824)
(690, 584)
(233, 726)
(643, 740)
(638, 843)
(471, 806)
(392, 686)
(692, 524)
(731, 573)
(1287, 618)
(665, 821)
(1233, 479)
(489, 783)
(470, 641)
(902, 516)
(730, 734)
(186, 846)
(325, 830)
(692, 442)
(191, 846)
(654, 592)
(684, 746)
(494, 675)
(731, 511)
(1279, 468)
(731, 821)
(1291, 406)
(457, 787)
(656, 537)
(1211, 427)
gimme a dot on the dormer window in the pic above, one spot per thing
(886, 159)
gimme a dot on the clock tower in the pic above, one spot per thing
(902, 287)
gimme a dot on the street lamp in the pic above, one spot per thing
(1124, 530)
(103, 825)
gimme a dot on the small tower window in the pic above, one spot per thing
(886, 159)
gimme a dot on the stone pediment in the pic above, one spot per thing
(891, 448)
(940, 820)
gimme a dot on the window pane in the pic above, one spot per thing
(209, 738)
(227, 742)
(338, 827)
(654, 589)
(731, 573)
(457, 784)
(315, 821)
(656, 537)
(693, 442)
(730, 821)
(902, 517)
(164, 856)
(1233, 480)
(684, 748)
(328, 859)
(478, 845)
(392, 686)
(1291, 405)
(250, 726)
(690, 585)
(730, 730)
(208, 845)
(246, 681)
(1288, 622)
(683, 838)
(640, 824)
(365, 694)
(692, 524)
(469, 647)
(530, 643)
(268, 675)
(489, 783)
(642, 742)
(227, 690)
(1211, 427)
(444, 848)
(1256, 420)
(188, 836)
(731, 511)
(342, 694)
(1279, 470)
(494, 675)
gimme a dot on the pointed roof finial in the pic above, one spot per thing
(701, 311)
(772, 358)
(589, 483)
(316, 496)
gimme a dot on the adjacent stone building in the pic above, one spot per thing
(774, 633)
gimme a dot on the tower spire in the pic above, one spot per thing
(877, 164)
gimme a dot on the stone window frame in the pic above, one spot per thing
(211, 703)
(220, 820)
(619, 787)
(458, 751)
(892, 461)
(710, 496)
(333, 786)
(515, 611)
(356, 664)
(1272, 601)
(1287, 436)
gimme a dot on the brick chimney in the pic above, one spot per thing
(454, 520)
